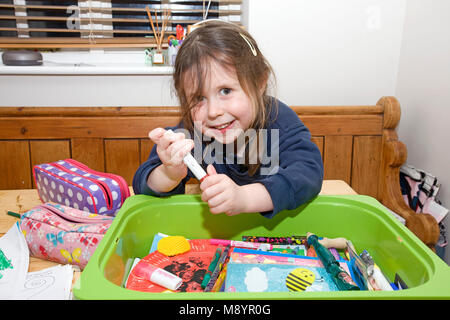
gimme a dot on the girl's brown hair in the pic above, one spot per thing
(233, 48)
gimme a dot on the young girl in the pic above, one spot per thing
(258, 154)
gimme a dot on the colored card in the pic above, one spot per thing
(243, 277)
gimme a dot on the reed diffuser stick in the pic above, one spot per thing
(157, 25)
(164, 25)
(151, 22)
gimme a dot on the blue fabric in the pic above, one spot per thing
(298, 176)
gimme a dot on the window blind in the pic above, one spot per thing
(101, 23)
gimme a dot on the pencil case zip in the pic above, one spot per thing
(120, 180)
(72, 216)
(71, 183)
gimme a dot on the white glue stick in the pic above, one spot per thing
(193, 165)
(157, 275)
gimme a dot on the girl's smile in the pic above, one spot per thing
(223, 127)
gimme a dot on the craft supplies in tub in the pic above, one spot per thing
(369, 225)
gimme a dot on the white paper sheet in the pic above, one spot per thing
(17, 283)
(53, 283)
(14, 260)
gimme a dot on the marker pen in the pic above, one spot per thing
(157, 275)
(193, 165)
(241, 244)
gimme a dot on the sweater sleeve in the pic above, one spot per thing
(299, 175)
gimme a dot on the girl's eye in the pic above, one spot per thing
(225, 91)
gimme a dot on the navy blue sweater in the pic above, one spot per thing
(292, 174)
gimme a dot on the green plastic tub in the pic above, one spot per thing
(361, 219)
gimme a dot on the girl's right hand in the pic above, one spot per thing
(171, 148)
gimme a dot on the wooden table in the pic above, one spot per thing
(22, 200)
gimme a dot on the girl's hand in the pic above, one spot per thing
(171, 148)
(222, 193)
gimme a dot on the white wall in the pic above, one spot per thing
(86, 90)
(328, 52)
(423, 89)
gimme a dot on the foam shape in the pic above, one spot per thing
(173, 245)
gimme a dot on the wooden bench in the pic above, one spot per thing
(359, 145)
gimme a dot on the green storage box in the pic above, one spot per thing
(361, 219)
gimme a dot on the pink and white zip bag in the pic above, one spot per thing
(73, 184)
(63, 234)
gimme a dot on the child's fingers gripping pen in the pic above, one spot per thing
(194, 166)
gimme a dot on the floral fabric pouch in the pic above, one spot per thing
(63, 234)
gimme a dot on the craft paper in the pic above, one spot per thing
(190, 266)
(17, 284)
(243, 277)
(53, 283)
(14, 260)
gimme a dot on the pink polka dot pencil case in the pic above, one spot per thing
(62, 234)
(73, 184)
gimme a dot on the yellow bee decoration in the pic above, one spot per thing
(299, 279)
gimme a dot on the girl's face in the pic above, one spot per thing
(224, 111)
